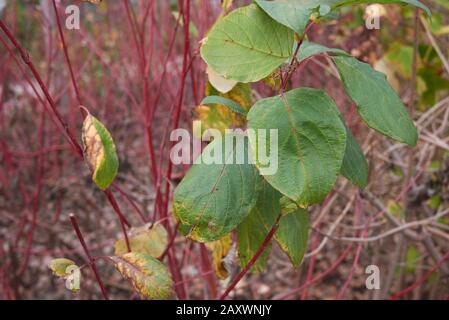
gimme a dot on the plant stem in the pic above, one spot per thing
(121, 218)
(66, 55)
(259, 251)
(26, 59)
(89, 257)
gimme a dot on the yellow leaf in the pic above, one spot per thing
(220, 249)
(152, 241)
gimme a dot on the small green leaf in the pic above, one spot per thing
(335, 4)
(412, 258)
(214, 100)
(253, 230)
(354, 167)
(309, 49)
(218, 191)
(311, 140)
(146, 239)
(377, 102)
(148, 276)
(99, 152)
(292, 235)
(247, 45)
(290, 14)
(59, 266)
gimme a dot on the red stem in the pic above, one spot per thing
(396, 296)
(26, 59)
(259, 251)
(66, 55)
(89, 257)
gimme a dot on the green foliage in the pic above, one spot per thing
(290, 14)
(311, 139)
(354, 167)
(253, 230)
(213, 199)
(314, 145)
(247, 45)
(377, 103)
(293, 233)
(217, 100)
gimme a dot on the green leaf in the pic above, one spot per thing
(335, 4)
(220, 116)
(290, 14)
(247, 45)
(59, 266)
(214, 198)
(148, 276)
(252, 231)
(214, 100)
(377, 102)
(309, 49)
(354, 167)
(292, 235)
(311, 140)
(99, 152)
(146, 239)
(412, 258)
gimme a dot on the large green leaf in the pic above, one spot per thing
(213, 199)
(377, 102)
(293, 233)
(290, 14)
(311, 140)
(354, 167)
(247, 45)
(253, 230)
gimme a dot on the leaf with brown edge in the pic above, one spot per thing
(99, 152)
(152, 240)
(148, 276)
(220, 249)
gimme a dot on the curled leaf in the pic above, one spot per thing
(220, 249)
(219, 82)
(152, 241)
(99, 152)
(148, 276)
(59, 266)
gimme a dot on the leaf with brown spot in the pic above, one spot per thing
(99, 152)
(148, 276)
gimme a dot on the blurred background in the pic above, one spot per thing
(138, 70)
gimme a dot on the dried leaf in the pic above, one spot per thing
(148, 276)
(152, 241)
(99, 152)
(220, 249)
